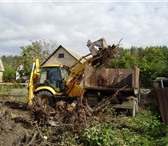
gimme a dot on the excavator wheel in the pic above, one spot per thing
(45, 98)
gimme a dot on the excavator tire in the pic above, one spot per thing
(46, 98)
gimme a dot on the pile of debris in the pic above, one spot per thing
(75, 116)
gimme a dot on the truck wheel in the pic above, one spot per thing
(45, 98)
(91, 97)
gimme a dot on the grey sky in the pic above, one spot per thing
(71, 24)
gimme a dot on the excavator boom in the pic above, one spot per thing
(103, 53)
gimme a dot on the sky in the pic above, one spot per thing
(72, 23)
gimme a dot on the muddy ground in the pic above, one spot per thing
(11, 131)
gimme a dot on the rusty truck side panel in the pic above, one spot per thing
(111, 79)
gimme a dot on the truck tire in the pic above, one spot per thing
(91, 97)
(46, 98)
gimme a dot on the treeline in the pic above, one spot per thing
(152, 61)
(23, 63)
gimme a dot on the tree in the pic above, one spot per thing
(164, 64)
(151, 64)
(38, 49)
(10, 64)
(124, 60)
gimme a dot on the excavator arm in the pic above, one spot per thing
(76, 74)
(33, 80)
(99, 56)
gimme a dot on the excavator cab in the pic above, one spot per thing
(53, 76)
(47, 83)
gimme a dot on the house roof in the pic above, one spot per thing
(74, 54)
(1, 66)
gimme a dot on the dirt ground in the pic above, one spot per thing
(13, 132)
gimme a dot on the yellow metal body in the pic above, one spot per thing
(76, 91)
(73, 88)
(47, 88)
(76, 75)
(33, 79)
(72, 84)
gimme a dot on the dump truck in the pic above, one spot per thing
(51, 83)
(103, 82)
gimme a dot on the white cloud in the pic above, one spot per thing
(71, 24)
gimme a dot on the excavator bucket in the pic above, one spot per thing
(100, 51)
(106, 54)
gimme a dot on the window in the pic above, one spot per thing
(61, 55)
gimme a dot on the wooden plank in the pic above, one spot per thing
(124, 105)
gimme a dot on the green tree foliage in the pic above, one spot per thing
(152, 62)
(9, 74)
(38, 49)
(10, 64)
(164, 60)
(126, 58)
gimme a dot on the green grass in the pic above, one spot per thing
(9, 89)
(145, 129)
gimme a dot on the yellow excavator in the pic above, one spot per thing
(51, 83)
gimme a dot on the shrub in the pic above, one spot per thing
(143, 130)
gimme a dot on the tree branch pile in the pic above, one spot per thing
(74, 117)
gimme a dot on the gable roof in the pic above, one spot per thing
(1, 66)
(74, 54)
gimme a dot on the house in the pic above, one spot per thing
(63, 56)
(1, 71)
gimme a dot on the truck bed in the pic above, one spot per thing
(111, 79)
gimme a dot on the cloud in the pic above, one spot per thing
(71, 24)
